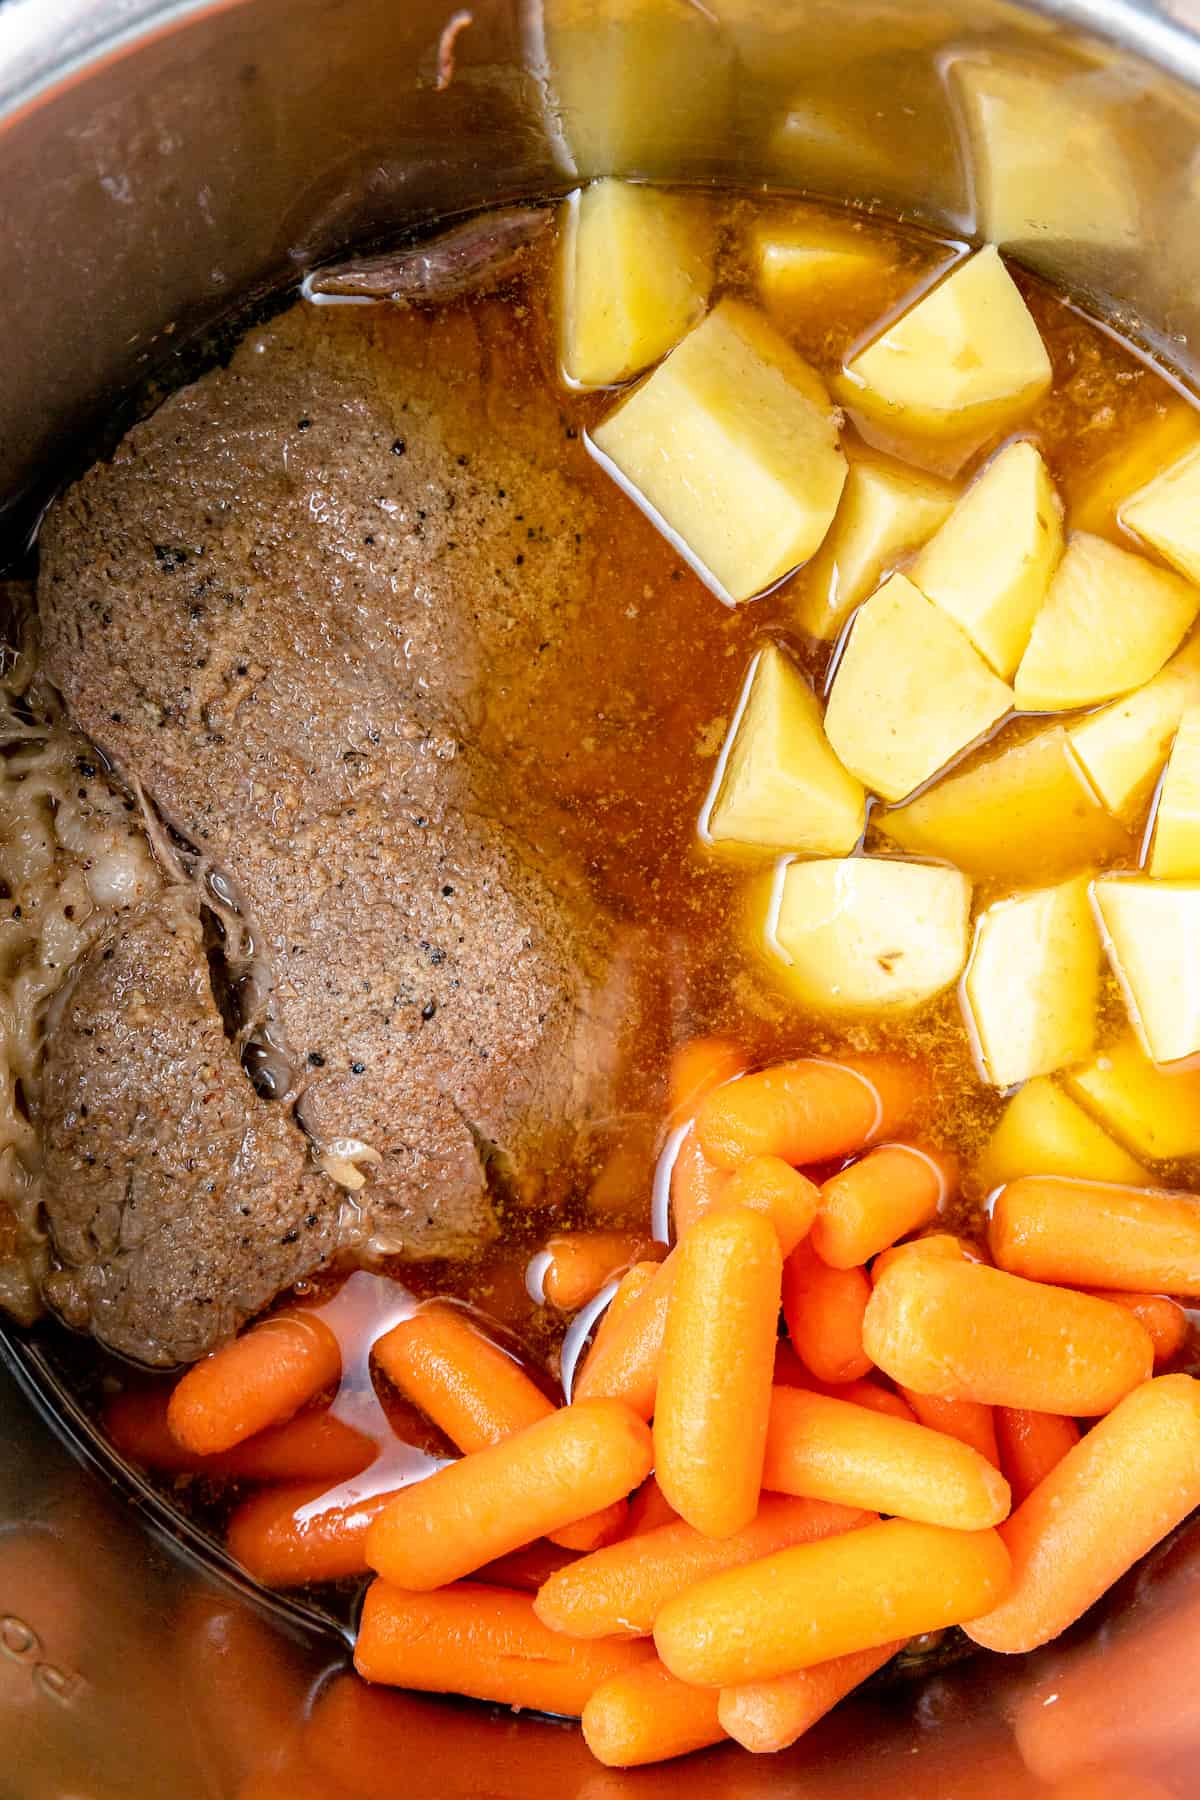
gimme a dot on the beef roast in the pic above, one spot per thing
(299, 610)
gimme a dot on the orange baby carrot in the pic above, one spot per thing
(314, 1446)
(580, 1263)
(825, 1449)
(645, 1716)
(697, 1068)
(714, 1382)
(769, 1715)
(527, 1486)
(1093, 1234)
(1031, 1444)
(1164, 1319)
(526, 1569)
(768, 1185)
(622, 1364)
(966, 1332)
(892, 1190)
(696, 1184)
(967, 1420)
(824, 1309)
(648, 1509)
(940, 1245)
(817, 1601)
(810, 1110)
(274, 1536)
(791, 1372)
(259, 1379)
(1113, 1496)
(597, 1529)
(482, 1642)
(624, 1588)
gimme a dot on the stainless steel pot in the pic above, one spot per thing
(159, 164)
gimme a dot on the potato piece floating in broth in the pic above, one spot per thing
(1108, 624)
(1034, 982)
(1096, 497)
(990, 564)
(910, 692)
(870, 934)
(783, 788)
(985, 818)
(1166, 514)
(634, 275)
(1151, 933)
(887, 509)
(1122, 748)
(1175, 847)
(1044, 1132)
(966, 359)
(731, 446)
(814, 259)
(1155, 1111)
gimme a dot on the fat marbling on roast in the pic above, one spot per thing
(283, 609)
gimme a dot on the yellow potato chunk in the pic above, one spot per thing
(870, 934)
(781, 786)
(909, 692)
(1122, 748)
(731, 445)
(965, 359)
(886, 510)
(1155, 1111)
(1108, 623)
(1175, 846)
(1151, 932)
(813, 257)
(990, 564)
(987, 818)
(1033, 982)
(1096, 495)
(635, 269)
(1166, 515)
(1044, 1132)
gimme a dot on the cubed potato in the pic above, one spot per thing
(1155, 1111)
(1151, 932)
(869, 934)
(886, 510)
(635, 268)
(987, 818)
(966, 359)
(1175, 846)
(781, 786)
(731, 445)
(811, 256)
(909, 692)
(990, 564)
(1095, 495)
(1166, 515)
(1121, 749)
(1033, 982)
(1108, 623)
(1044, 1132)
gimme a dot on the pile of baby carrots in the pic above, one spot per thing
(727, 1529)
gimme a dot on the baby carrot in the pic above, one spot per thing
(832, 1450)
(791, 1372)
(644, 1715)
(940, 1245)
(1031, 1444)
(809, 1110)
(526, 1569)
(714, 1383)
(697, 1068)
(580, 1263)
(314, 1446)
(966, 1332)
(817, 1601)
(1113, 1496)
(648, 1509)
(696, 1184)
(1097, 1235)
(1164, 1319)
(622, 1364)
(824, 1309)
(259, 1379)
(597, 1529)
(769, 1715)
(967, 1420)
(273, 1536)
(527, 1486)
(890, 1191)
(623, 1589)
(483, 1642)
(768, 1185)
